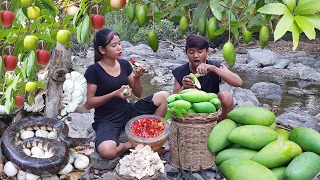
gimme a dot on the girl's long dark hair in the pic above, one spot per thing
(102, 38)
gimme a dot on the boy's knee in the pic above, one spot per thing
(225, 97)
(108, 150)
(161, 95)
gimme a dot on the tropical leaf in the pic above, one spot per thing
(295, 35)
(308, 7)
(315, 20)
(283, 26)
(306, 26)
(215, 8)
(274, 8)
(200, 10)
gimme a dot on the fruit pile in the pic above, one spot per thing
(192, 101)
(248, 146)
(147, 127)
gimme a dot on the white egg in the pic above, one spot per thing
(10, 169)
(21, 175)
(67, 169)
(27, 151)
(81, 162)
(73, 154)
(42, 133)
(30, 176)
(71, 159)
(38, 152)
(52, 135)
(26, 135)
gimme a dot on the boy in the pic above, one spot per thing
(197, 49)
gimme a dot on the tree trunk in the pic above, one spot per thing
(60, 64)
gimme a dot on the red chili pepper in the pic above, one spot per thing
(147, 127)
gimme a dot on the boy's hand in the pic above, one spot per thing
(203, 68)
(187, 82)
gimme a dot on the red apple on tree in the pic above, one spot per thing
(7, 18)
(118, 4)
(10, 62)
(43, 57)
(97, 21)
(72, 10)
(19, 100)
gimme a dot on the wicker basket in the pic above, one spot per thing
(122, 177)
(188, 141)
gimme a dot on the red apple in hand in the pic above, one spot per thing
(43, 57)
(19, 101)
(97, 21)
(7, 18)
(10, 62)
(118, 4)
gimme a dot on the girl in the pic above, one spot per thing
(107, 79)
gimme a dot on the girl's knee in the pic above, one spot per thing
(160, 97)
(107, 150)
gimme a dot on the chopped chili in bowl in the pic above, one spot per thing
(147, 127)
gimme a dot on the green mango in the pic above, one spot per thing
(141, 15)
(212, 26)
(153, 40)
(183, 25)
(246, 35)
(264, 37)
(229, 53)
(202, 23)
(130, 8)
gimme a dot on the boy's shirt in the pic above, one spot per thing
(209, 83)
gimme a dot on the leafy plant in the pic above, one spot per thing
(296, 18)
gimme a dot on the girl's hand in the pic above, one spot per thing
(139, 71)
(187, 82)
(124, 92)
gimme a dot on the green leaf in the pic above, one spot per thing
(8, 93)
(256, 23)
(315, 20)
(40, 85)
(168, 115)
(274, 8)
(220, 31)
(306, 26)
(31, 65)
(105, 7)
(9, 105)
(30, 99)
(47, 4)
(308, 7)
(200, 10)
(14, 5)
(19, 15)
(215, 8)
(295, 35)
(186, 2)
(291, 4)
(66, 21)
(283, 26)
(85, 29)
(79, 28)
(1, 70)
(45, 37)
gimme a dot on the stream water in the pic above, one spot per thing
(310, 97)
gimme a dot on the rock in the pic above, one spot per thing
(262, 56)
(298, 92)
(54, 177)
(304, 72)
(100, 163)
(126, 44)
(78, 128)
(241, 50)
(244, 97)
(162, 177)
(282, 64)
(85, 175)
(109, 176)
(267, 90)
(171, 170)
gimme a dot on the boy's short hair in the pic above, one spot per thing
(196, 41)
